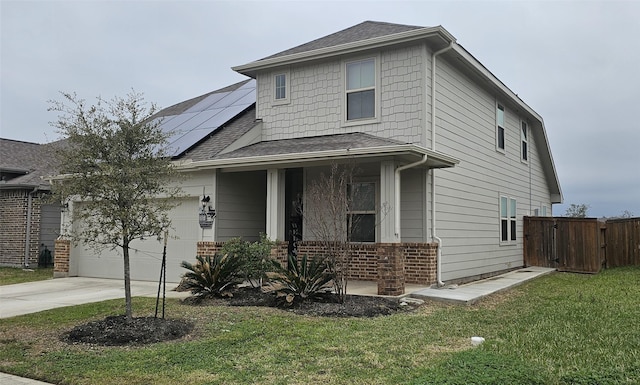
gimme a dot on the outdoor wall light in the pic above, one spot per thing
(207, 213)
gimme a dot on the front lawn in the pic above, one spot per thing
(12, 275)
(558, 329)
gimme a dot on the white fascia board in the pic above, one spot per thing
(397, 38)
(264, 160)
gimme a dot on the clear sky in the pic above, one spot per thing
(576, 63)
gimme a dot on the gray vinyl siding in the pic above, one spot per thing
(412, 206)
(467, 196)
(49, 227)
(241, 205)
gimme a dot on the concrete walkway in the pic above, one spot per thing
(8, 379)
(474, 291)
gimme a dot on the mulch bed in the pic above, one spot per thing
(118, 330)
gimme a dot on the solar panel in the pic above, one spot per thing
(203, 118)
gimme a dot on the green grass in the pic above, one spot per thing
(12, 275)
(558, 329)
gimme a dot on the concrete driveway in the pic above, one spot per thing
(32, 297)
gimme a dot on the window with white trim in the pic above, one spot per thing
(281, 87)
(500, 128)
(361, 89)
(361, 217)
(507, 219)
(524, 141)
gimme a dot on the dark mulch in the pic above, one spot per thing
(118, 330)
(324, 306)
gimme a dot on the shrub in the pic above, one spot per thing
(299, 281)
(254, 256)
(212, 275)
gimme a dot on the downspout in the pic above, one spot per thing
(397, 192)
(434, 235)
(28, 235)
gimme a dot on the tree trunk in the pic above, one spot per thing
(127, 280)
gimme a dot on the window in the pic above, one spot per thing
(361, 89)
(544, 211)
(361, 217)
(281, 87)
(500, 128)
(524, 134)
(507, 219)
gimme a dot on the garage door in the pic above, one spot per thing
(146, 255)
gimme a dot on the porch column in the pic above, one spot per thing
(388, 204)
(275, 204)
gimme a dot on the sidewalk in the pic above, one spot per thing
(472, 292)
(8, 379)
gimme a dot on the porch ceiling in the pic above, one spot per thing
(321, 149)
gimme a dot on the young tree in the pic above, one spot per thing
(577, 211)
(115, 162)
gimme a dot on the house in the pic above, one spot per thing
(455, 157)
(28, 223)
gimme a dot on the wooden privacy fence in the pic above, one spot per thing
(581, 245)
(568, 244)
(623, 242)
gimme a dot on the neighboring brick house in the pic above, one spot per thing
(28, 223)
(455, 157)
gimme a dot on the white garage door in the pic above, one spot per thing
(146, 255)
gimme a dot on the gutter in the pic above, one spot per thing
(262, 160)
(434, 235)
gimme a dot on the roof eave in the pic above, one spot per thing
(319, 156)
(250, 69)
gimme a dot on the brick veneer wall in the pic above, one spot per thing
(13, 227)
(61, 258)
(419, 260)
(416, 261)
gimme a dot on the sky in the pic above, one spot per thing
(576, 63)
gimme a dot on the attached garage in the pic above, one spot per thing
(146, 255)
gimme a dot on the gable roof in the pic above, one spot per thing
(364, 36)
(23, 164)
(359, 32)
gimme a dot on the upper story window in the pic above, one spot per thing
(524, 140)
(362, 213)
(281, 88)
(361, 89)
(500, 127)
(507, 219)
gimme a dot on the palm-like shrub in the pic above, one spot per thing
(212, 275)
(308, 279)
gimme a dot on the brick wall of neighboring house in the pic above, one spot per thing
(13, 227)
